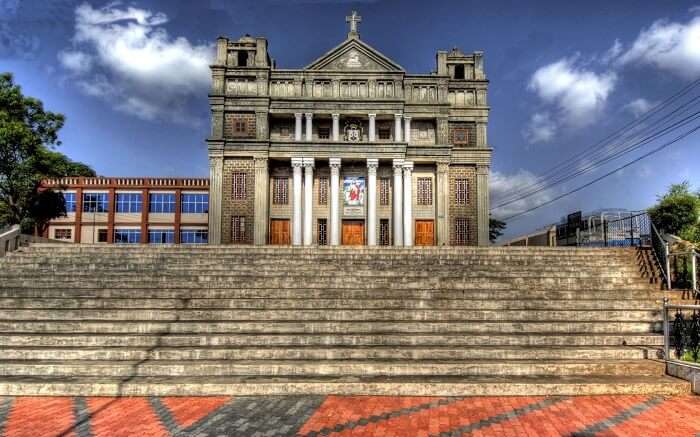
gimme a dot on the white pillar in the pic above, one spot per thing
(407, 204)
(336, 127)
(335, 194)
(309, 129)
(397, 128)
(397, 202)
(308, 200)
(296, 207)
(372, 165)
(372, 128)
(297, 126)
(407, 128)
(216, 177)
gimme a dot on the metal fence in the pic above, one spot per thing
(681, 325)
(683, 271)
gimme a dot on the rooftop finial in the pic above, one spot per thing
(354, 19)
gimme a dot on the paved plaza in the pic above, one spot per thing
(350, 416)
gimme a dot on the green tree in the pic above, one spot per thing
(27, 132)
(496, 228)
(677, 212)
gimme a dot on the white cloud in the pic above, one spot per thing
(124, 56)
(502, 186)
(574, 96)
(668, 46)
(613, 52)
(541, 128)
(639, 107)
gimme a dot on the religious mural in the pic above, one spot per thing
(354, 191)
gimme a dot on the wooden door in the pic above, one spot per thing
(425, 235)
(353, 232)
(279, 231)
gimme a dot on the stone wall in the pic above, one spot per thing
(468, 211)
(243, 208)
(229, 125)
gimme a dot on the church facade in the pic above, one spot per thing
(351, 149)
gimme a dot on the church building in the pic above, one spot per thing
(350, 150)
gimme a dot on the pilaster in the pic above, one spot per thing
(397, 127)
(336, 127)
(482, 204)
(309, 126)
(407, 128)
(334, 164)
(443, 199)
(408, 204)
(296, 207)
(298, 126)
(372, 165)
(308, 200)
(216, 176)
(261, 202)
(372, 127)
(397, 202)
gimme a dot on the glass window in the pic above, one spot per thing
(161, 202)
(280, 191)
(63, 234)
(194, 236)
(238, 234)
(384, 191)
(461, 235)
(461, 191)
(195, 203)
(102, 235)
(322, 232)
(323, 190)
(127, 236)
(425, 191)
(238, 186)
(129, 202)
(69, 199)
(95, 202)
(161, 236)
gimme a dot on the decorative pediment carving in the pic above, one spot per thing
(354, 55)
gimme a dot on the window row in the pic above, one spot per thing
(156, 236)
(133, 202)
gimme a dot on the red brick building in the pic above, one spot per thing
(131, 210)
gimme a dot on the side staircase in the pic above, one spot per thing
(205, 320)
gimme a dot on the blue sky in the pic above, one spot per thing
(132, 78)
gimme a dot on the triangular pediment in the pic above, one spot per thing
(354, 55)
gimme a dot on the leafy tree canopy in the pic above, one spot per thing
(496, 228)
(27, 134)
(677, 212)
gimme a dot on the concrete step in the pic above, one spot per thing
(349, 385)
(315, 368)
(263, 352)
(188, 291)
(328, 340)
(335, 315)
(335, 327)
(330, 304)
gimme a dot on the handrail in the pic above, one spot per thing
(661, 254)
(10, 239)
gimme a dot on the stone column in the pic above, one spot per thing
(308, 200)
(407, 204)
(261, 204)
(297, 126)
(397, 202)
(482, 204)
(372, 129)
(335, 194)
(372, 165)
(296, 207)
(336, 127)
(397, 128)
(309, 129)
(443, 199)
(407, 128)
(216, 179)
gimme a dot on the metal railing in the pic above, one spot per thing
(681, 333)
(10, 239)
(683, 270)
(661, 253)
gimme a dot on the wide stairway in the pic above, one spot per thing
(147, 320)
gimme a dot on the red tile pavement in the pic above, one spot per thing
(636, 416)
(188, 411)
(32, 417)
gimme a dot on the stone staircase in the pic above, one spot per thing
(205, 320)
